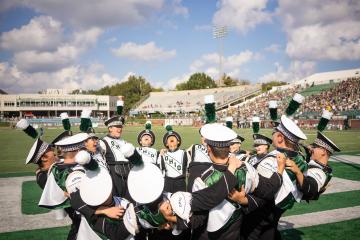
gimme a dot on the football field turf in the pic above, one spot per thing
(15, 146)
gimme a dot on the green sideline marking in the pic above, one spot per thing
(348, 171)
(326, 202)
(334, 231)
(59, 233)
(30, 197)
(16, 174)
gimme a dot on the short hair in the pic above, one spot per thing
(220, 152)
(289, 143)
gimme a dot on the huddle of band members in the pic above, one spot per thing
(213, 190)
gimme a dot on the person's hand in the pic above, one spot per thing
(163, 151)
(281, 159)
(66, 194)
(291, 165)
(166, 226)
(112, 212)
(166, 210)
(234, 163)
(238, 196)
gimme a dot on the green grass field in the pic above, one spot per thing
(15, 146)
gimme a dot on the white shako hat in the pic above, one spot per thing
(290, 130)
(260, 139)
(73, 143)
(324, 142)
(96, 186)
(37, 151)
(117, 121)
(145, 183)
(217, 135)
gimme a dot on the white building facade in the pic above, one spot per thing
(52, 103)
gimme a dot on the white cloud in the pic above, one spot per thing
(243, 15)
(34, 61)
(273, 48)
(297, 70)
(179, 9)
(74, 77)
(209, 63)
(90, 13)
(5, 5)
(176, 80)
(41, 46)
(86, 38)
(318, 31)
(41, 33)
(146, 52)
(336, 41)
(296, 14)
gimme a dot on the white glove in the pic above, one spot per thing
(82, 157)
(127, 149)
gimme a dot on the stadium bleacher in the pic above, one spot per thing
(192, 100)
(317, 89)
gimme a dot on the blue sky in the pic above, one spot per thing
(89, 44)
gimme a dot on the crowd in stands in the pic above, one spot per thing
(342, 99)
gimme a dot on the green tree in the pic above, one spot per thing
(197, 81)
(230, 82)
(267, 86)
(133, 90)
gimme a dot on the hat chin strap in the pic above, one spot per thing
(177, 148)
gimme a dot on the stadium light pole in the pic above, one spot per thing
(220, 32)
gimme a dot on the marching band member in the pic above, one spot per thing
(173, 162)
(146, 139)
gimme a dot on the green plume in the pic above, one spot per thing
(324, 120)
(294, 104)
(168, 128)
(256, 124)
(24, 125)
(65, 121)
(119, 107)
(148, 125)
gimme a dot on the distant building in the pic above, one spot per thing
(328, 77)
(55, 101)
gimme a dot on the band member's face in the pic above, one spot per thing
(277, 138)
(115, 131)
(261, 149)
(318, 153)
(166, 209)
(172, 143)
(146, 141)
(235, 147)
(90, 144)
(48, 159)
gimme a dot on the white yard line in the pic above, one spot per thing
(14, 220)
(317, 218)
(10, 204)
(355, 159)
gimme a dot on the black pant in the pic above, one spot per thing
(74, 227)
(173, 185)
